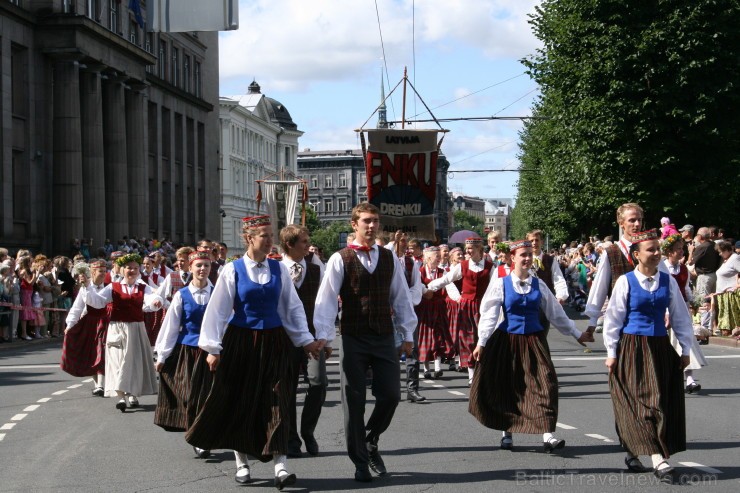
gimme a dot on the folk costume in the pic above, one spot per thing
(432, 327)
(515, 388)
(452, 302)
(412, 274)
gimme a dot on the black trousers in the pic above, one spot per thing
(318, 382)
(358, 354)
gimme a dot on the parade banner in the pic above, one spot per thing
(402, 179)
(281, 198)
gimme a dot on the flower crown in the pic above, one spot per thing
(81, 268)
(669, 242)
(129, 257)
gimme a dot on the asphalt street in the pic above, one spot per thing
(55, 436)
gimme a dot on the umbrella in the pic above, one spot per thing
(460, 236)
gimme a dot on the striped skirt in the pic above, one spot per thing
(515, 387)
(432, 328)
(247, 409)
(647, 395)
(153, 322)
(83, 349)
(453, 315)
(467, 331)
(184, 384)
(728, 310)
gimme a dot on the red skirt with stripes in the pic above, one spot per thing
(467, 331)
(515, 387)
(432, 315)
(83, 349)
(648, 396)
(453, 313)
(152, 323)
(247, 409)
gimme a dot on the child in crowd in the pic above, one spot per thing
(667, 228)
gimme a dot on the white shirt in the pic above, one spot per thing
(727, 273)
(417, 288)
(79, 307)
(326, 308)
(616, 312)
(288, 262)
(455, 274)
(167, 337)
(166, 286)
(558, 281)
(674, 271)
(221, 306)
(493, 301)
(99, 299)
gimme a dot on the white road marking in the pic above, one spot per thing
(723, 356)
(332, 362)
(7, 426)
(77, 385)
(701, 467)
(599, 437)
(429, 381)
(2, 436)
(437, 385)
(32, 407)
(18, 417)
(601, 358)
(88, 380)
(28, 367)
(44, 399)
(59, 392)
(565, 427)
(455, 392)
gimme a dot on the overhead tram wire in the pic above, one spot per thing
(385, 62)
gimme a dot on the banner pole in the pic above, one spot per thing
(403, 111)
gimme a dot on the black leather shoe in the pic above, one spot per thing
(453, 366)
(121, 405)
(554, 444)
(294, 452)
(507, 443)
(428, 375)
(438, 374)
(98, 392)
(375, 461)
(201, 453)
(362, 475)
(244, 478)
(634, 465)
(693, 388)
(666, 475)
(414, 396)
(312, 446)
(281, 481)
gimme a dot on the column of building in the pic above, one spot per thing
(138, 197)
(116, 157)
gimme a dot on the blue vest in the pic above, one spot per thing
(521, 311)
(255, 305)
(646, 310)
(191, 319)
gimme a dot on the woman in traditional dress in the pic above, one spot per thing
(432, 314)
(185, 379)
(672, 249)
(252, 320)
(152, 320)
(515, 388)
(727, 298)
(83, 349)
(645, 373)
(128, 355)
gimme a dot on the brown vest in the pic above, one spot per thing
(308, 291)
(546, 272)
(618, 263)
(365, 297)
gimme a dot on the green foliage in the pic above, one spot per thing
(464, 220)
(639, 100)
(327, 237)
(312, 220)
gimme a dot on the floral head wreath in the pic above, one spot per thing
(81, 268)
(129, 257)
(668, 243)
(502, 248)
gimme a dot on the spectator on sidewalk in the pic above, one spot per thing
(706, 261)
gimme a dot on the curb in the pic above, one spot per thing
(20, 344)
(730, 342)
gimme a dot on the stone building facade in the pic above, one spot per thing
(107, 130)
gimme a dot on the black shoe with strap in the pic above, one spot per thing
(634, 465)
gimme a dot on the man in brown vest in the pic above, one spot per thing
(545, 267)
(306, 278)
(614, 262)
(371, 284)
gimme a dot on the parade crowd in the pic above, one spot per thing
(225, 341)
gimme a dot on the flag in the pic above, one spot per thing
(135, 7)
(281, 198)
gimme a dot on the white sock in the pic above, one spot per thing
(546, 437)
(241, 459)
(425, 366)
(101, 380)
(280, 461)
(120, 394)
(506, 434)
(471, 372)
(438, 364)
(689, 376)
(659, 462)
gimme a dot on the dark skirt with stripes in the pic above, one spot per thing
(648, 398)
(248, 407)
(153, 322)
(184, 384)
(515, 387)
(453, 314)
(467, 331)
(432, 315)
(83, 349)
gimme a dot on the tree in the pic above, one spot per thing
(637, 104)
(327, 238)
(312, 220)
(465, 220)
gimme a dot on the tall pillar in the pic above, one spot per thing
(136, 122)
(115, 152)
(93, 158)
(67, 168)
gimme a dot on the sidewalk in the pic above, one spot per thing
(724, 341)
(20, 343)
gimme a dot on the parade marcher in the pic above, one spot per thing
(152, 320)
(515, 388)
(306, 277)
(475, 273)
(493, 239)
(432, 314)
(185, 379)
(129, 372)
(159, 265)
(545, 267)
(83, 349)
(672, 249)
(252, 321)
(114, 275)
(371, 284)
(213, 249)
(444, 257)
(645, 373)
(503, 253)
(178, 278)
(452, 301)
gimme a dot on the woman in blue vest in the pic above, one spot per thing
(515, 388)
(184, 377)
(645, 372)
(252, 320)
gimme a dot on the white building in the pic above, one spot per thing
(258, 140)
(498, 212)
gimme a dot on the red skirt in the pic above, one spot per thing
(432, 317)
(467, 331)
(453, 314)
(83, 350)
(152, 323)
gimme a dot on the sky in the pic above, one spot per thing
(323, 60)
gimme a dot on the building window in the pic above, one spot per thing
(149, 43)
(196, 79)
(175, 67)
(342, 181)
(162, 59)
(328, 205)
(133, 31)
(314, 181)
(93, 9)
(186, 73)
(362, 180)
(328, 181)
(114, 16)
(342, 204)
